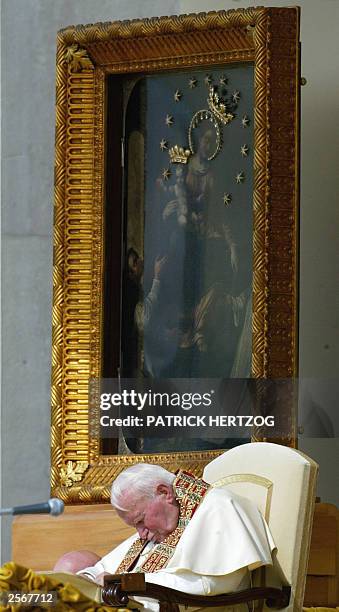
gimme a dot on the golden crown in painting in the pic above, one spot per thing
(179, 155)
(218, 107)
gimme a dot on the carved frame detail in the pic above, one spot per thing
(269, 37)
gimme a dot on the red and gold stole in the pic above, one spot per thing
(189, 492)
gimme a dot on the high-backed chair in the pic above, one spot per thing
(281, 482)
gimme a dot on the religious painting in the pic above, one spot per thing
(176, 224)
(187, 301)
(187, 278)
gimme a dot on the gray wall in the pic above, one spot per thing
(28, 57)
(29, 30)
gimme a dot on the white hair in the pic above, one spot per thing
(141, 480)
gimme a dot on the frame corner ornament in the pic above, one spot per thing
(78, 58)
(72, 472)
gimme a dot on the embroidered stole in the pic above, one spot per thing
(189, 492)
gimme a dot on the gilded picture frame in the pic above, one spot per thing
(86, 56)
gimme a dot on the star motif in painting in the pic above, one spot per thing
(223, 80)
(208, 80)
(169, 120)
(166, 173)
(163, 144)
(244, 150)
(240, 177)
(177, 96)
(245, 121)
(227, 199)
(236, 96)
(192, 83)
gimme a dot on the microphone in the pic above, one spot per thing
(53, 506)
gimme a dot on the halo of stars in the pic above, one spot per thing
(221, 80)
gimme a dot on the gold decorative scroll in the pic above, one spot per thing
(77, 58)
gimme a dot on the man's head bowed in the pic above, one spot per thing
(144, 498)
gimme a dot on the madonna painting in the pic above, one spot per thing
(187, 278)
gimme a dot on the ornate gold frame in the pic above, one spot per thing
(269, 37)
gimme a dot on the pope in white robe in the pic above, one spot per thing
(224, 539)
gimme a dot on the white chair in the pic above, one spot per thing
(281, 481)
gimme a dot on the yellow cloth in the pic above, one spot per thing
(16, 578)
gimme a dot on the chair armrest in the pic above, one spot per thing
(119, 587)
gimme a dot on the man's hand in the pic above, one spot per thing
(158, 265)
(170, 208)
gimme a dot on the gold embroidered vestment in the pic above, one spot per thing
(189, 492)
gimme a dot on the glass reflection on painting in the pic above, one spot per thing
(187, 279)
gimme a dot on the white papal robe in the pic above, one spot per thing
(224, 541)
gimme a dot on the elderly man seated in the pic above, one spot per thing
(189, 536)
